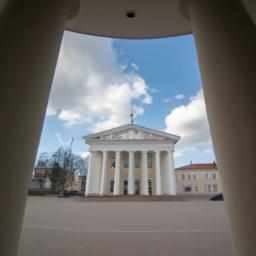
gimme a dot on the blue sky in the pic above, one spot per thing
(97, 78)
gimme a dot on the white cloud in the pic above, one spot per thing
(137, 110)
(71, 118)
(90, 86)
(179, 96)
(84, 154)
(135, 67)
(61, 141)
(206, 152)
(190, 121)
(166, 100)
(153, 90)
(50, 111)
(179, 152)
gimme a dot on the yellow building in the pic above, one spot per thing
(198, 178)
(40, 179)
(79, 183)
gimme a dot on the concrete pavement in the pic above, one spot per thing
(69, 227)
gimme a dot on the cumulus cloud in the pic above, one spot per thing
(90, 85)
(179, 96)
(190, 121)
(180, 151)
(135, 67)
(71, 118)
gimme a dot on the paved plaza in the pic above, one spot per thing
(74, 227)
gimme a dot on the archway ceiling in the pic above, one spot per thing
(153, 19)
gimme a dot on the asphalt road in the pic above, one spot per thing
(68, 227)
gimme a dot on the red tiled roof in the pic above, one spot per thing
(204, 166)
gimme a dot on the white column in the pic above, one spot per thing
(96, 169)
(225, 38)
(117, 174)
(158, 174)
(89, 176)
(31, 34)
(165, 173)
(144, 173)
(131, 178)
(172, 175)
(104, 173)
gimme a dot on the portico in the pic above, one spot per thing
(131, 160)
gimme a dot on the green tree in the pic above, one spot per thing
(62, 161)
(57, 176)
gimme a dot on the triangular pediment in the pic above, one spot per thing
(132, 132)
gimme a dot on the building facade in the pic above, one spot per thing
(40, 179)
(198, 178)
(79, 183)
(131, 159)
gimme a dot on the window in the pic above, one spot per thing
(214, 176)
(149, 162)
(183, 176)
(137, 163)
(194, 177)
(126, 163)
(113, 162)
(189, 177)
(187, 188)
(207, 175)
(215, 188)
(209, 188)
(195, 188)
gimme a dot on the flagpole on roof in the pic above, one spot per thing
(132, 115)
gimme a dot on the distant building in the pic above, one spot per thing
(131, 159)
(79, 183)
(40, 179)
(198, 178)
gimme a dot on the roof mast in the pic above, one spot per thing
(131, 115)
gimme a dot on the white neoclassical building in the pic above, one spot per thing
(131, 159)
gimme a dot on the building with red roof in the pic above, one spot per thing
(198, 178)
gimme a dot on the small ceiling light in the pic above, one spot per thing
(130, 14)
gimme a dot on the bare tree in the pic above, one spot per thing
(62, 161)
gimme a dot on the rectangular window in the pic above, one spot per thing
(149, 162)
(183, 176)
(137, 163)
(195, 188)
(207, 176)
(194, 177)
(126, 163)
(215, 188)
(209, 188)
(189, 177)
(113, 162)
(214, 176)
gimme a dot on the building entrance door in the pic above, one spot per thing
(137, 187)
(125, 187)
